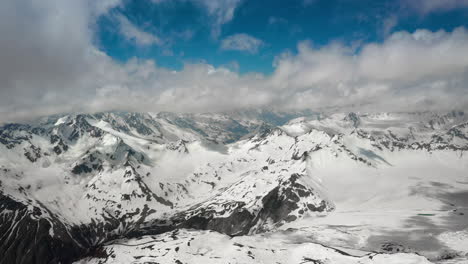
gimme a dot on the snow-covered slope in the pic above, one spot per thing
(94, 184)
(210, 247)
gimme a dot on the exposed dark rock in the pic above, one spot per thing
(26, 237)
(391, 247)
(353, 118)
(179, 146)
(239, 222)
(81, 168)
(32, 153)
(277, 207)
(310, 260)
(303, 156)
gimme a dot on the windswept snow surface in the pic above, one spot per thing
(241, 187)
(211, 247)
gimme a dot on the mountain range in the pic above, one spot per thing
(254, 186)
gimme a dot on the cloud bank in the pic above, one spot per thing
(49, 64)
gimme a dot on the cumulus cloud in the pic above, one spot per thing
(49, 65)
(133, 33)
(420, 70)
(241, 42)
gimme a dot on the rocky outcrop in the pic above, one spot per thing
(286, 202)
(30, 234)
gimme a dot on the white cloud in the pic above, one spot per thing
(133, 33)
(102, 6)
(430, 6)
(388, 24)
(220, 12)
(241, 42)
(49, 65)
(422, 70)
(48, 43)
(421, 8)
(421, 55)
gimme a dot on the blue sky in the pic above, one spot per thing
(185, 28)
(61, 56)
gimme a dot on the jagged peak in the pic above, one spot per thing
(265, 132)
(179, 146)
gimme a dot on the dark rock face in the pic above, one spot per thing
(80, 126)
(354, 119)
(277, 207)
(285, 199)
(12, 135)
(88, 164)
(239, 222)
(60, 147)
(31, 234)
(302, 156)
(32, 153)
(391, 247)
(82, 168)
(28, 236)
(179, 146)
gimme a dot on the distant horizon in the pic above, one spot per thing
(300, 112)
